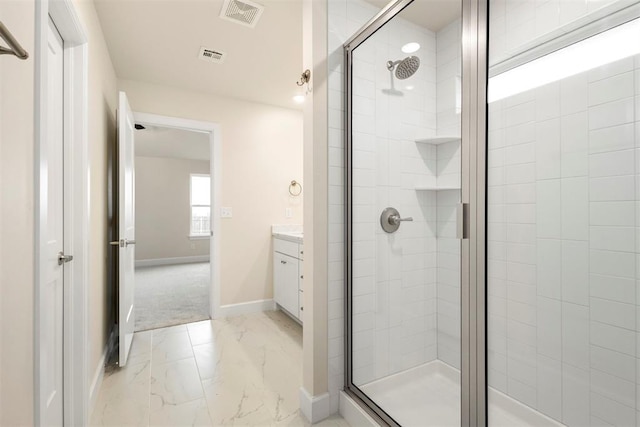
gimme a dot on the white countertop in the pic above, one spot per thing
(287, 235)
(290, 232)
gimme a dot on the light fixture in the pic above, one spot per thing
(409, 87)
(600, 49)
(299, 99)
(411, 47)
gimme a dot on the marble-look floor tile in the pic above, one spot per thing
(193, 413)
(140, 348)
(176, 382)
(169, 330)
(170, 347)
(124, 397)
(208, 358)
(245, 370)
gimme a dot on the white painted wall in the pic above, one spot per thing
(163, 214)
(17, 207)
(261, 154)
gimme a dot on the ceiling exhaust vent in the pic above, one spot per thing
(211, 55)
(242, 12)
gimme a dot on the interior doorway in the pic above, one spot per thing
(177, 191)
(173, 226)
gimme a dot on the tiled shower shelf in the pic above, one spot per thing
(436, 188)
(437, 140)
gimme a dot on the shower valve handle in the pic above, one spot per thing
(395, 219)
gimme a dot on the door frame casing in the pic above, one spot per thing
(215, 171)
(76, 204)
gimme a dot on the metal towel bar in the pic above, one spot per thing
(14, 46)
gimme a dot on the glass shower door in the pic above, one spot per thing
(404, 163)
(563, 213)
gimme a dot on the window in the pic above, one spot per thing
(200, 205)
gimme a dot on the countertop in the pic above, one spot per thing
(288, 235)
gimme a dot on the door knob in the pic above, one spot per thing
(122, 243)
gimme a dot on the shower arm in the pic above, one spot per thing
(392, 64)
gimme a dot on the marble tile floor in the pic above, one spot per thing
(244, 370)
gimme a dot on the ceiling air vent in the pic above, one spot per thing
(243, 12)
(211, 55)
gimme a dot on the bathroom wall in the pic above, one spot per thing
(261, 154)
(163, 210)
(516, 23)
(394, 319)
(448, 102)
(564, 244)
(17, 203)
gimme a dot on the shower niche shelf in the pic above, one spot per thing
(437, 140)
(436, 188)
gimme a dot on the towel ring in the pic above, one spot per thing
(292, 188)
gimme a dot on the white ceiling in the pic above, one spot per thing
(158, 41)
(431, 14)
(172, 143)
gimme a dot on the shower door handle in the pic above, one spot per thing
(462, 221)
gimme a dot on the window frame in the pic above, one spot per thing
(192, 235)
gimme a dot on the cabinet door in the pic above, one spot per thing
(285, 282)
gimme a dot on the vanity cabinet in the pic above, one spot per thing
(287, 277)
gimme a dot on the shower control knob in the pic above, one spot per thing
(390, 220)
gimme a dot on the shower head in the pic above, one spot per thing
(405, 68)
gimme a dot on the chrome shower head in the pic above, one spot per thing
(405, 68)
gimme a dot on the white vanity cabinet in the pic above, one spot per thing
(287, 276)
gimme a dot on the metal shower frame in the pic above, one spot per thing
(473, 254)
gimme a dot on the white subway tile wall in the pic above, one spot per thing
(564, 244)
(406, 285)
(515, 24)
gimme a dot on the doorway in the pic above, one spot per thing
(173, 228)
(178, 241)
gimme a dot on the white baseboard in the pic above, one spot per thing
(98, 376)
(353, 413)
(315, 408)
(172, 261)
(231, 310)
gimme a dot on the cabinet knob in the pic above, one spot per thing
(302, 277)
(283, 262)
(301, 308)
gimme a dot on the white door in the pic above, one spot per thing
(51, 310)
(126, 227)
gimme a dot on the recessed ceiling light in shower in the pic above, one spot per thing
(411, 47)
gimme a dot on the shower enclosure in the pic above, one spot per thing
(492, 212)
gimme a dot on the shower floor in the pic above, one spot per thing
(430, 395)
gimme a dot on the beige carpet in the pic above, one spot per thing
(171, 295)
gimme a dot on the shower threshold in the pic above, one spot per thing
(429, 395)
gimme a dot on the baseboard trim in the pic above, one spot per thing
(231, 310)
(315, 408)
(98, 376)
(172, 261)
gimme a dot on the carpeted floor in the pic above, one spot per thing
(171, 295)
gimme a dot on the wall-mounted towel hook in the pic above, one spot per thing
(14, 46)
(293, 186)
